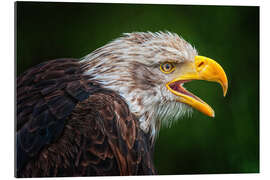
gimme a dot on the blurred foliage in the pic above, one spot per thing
(228, 143)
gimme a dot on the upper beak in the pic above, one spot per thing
(202, 68)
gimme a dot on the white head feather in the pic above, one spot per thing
(129, 65)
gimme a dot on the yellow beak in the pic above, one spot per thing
(202, 68)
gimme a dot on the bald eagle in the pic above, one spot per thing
(100, 115)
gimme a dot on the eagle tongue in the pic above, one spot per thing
(182, 90)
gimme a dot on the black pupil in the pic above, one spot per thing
(167, 66)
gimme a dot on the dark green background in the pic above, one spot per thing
(228, 143)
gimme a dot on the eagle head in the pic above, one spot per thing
(149, 70)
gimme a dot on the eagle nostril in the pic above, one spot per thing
(201, 63)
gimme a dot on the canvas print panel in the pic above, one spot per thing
(136, 89)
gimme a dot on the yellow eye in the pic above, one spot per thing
(167, 67)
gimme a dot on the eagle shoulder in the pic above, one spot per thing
(46, 95)
(70, 126)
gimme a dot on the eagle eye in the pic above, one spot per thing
(167, 67)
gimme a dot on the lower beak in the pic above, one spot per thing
(202, 68)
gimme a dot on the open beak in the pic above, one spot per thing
(202, 68)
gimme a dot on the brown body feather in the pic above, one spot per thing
(68, 125)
